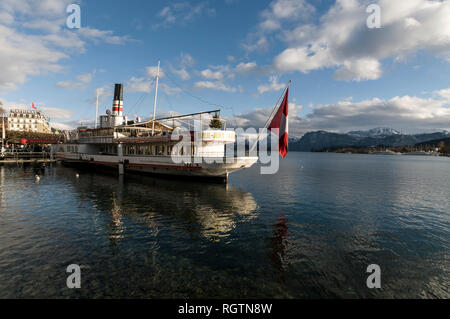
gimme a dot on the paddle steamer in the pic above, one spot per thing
(154, 146)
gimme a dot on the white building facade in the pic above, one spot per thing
(28, 121)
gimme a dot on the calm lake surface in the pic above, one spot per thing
(309, 231)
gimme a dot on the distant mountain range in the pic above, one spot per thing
(321, 140)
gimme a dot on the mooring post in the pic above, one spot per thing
(120, 155)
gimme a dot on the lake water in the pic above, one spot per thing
(309, 231)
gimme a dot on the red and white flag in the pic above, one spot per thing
(34, 107)
(280, 122)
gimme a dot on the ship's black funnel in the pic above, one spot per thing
(118, 92)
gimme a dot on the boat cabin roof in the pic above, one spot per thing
(148, 124)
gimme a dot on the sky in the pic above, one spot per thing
(233, 55)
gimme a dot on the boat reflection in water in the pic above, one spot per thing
(203, 210)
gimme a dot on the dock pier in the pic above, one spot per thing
(26, 157)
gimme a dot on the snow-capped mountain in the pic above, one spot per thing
(375, 132)
(320, 140)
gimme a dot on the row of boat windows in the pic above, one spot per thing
(98, 132)
(155, 150)
(140, 150)
(108, 149)
(72, 149)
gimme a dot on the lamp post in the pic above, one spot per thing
(2, 112)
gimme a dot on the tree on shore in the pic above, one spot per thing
(216, 122)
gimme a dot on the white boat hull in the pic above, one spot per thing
(211, 167)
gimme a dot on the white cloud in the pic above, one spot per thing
(146, 83)
(342, 38)
(151, 72)
(23, 54)
(182, 12)
(105, 92)
(410, 114)
(212, 75)
(56, 113)
(71, 124)
(218, 86)
(6, 18)
(80, 82)
(250, 68)
(359, 70)
(256, 42)
(282, 10)
(48, 8)
(167, 89)
(272, 86)
(62, 126)
(186, 61)
(135, 84)
(44, 25)
(66, 40)
(257, 118)
(52, 112)
(445, 94)
(221, 72)
(279, 13)
(182, 74)
(407, 113)
(106, 36)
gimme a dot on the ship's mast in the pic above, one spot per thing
(96, 110)
(156, 97)
(3, 128)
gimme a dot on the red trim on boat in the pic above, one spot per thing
(166, 166)
(134, 165)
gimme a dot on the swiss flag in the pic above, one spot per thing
(280, 122)
(34, 107)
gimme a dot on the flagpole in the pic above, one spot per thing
(276, 107)
(96, 110)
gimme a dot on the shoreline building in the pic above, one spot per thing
(27, 121)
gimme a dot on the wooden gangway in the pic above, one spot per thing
(26, 157)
